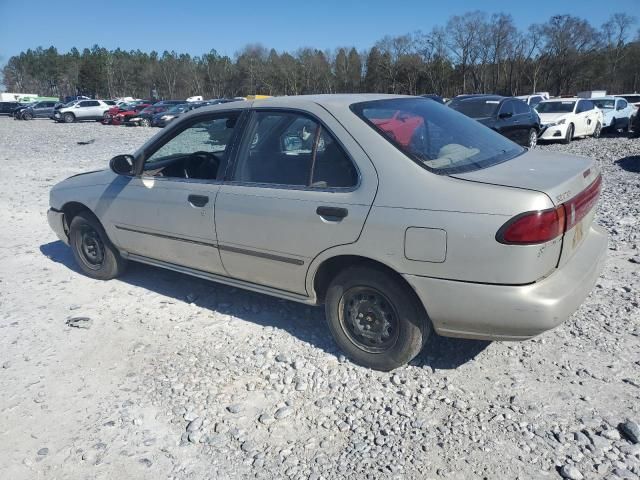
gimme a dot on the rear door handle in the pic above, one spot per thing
(198, 200)
(332, 213)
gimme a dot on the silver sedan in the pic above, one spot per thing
(400, 215)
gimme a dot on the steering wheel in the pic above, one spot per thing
(206, 158)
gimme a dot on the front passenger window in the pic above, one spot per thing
(198, 152)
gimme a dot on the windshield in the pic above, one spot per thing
(177, 109)
(606, 103)
(435, 136)
(476, 108)
(556, 107)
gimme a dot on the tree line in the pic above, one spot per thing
(471, 53)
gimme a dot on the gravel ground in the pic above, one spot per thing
(174, 377)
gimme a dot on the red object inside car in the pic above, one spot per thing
(400, 127)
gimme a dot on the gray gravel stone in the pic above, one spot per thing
(630, 430)
(570, 472)
(283, 412)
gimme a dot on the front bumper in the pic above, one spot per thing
(503, 312)
(554, 132)
(57, 224)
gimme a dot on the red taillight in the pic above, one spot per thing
(544, 225)
(578, 207)
(533, 227)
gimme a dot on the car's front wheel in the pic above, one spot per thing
(597, 131)
(69, 117)
(374, 318)
(533, 138)
(569, 136)
(145, 122)
(93, 251)
(27, 116)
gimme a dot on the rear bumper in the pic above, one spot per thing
(56, 222)
(502, 312)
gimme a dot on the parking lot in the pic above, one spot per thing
(175, 377)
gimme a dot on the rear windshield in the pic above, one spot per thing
(556, 107)
(435, 136)
(475, 107)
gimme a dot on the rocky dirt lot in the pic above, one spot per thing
(175, 377)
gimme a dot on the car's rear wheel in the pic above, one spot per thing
(93, 251)
(69, 117)
(533, 138)
(569, 135)
(145, 122)
(597, 131)
(375, 319)
(27, 116)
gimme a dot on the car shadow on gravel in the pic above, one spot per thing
(630, 164)
(302, 321)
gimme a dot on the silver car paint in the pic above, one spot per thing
(394, 195)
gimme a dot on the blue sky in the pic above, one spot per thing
(196, 26)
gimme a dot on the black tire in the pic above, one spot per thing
(389, 311)
(93, 251)
(569, 136)
(597, 131)
(69, 117)
(27, 116)
(145, 122)
(532, 138)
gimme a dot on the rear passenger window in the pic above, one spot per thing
(84, 104)
(286, 148)
(507, 108)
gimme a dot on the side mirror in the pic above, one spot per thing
(122, 164)
(505, 115)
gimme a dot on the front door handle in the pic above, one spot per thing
(198, 200)
(332, 213)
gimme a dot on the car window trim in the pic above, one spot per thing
(179, 127)
(250, 113)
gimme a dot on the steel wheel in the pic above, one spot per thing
(90, 247)
(368, 319)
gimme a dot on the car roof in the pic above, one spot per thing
(568, 99)
(329, 101)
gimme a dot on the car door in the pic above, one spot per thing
(580, 119)
(166, 212)
(300, 185)
(506, 123)
(591, 117)
(45, 110)
(523, 122)
(623, 113)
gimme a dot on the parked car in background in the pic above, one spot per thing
(8, 108)
(434, 97)
(635, 126)
(567, 118)
(144, 117)
(616, 112)
(36, 110)
(633, 99)
(508, 116)
(81, 110)
(124, 113)
(162, 119)
(532, 100)
(73, 98)
(506, 249)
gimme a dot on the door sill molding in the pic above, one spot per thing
(234, 282)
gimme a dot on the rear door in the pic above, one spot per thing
(300, 185)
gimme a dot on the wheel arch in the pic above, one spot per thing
(73, 208)
(327, 270)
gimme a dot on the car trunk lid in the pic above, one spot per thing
(567, 180)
